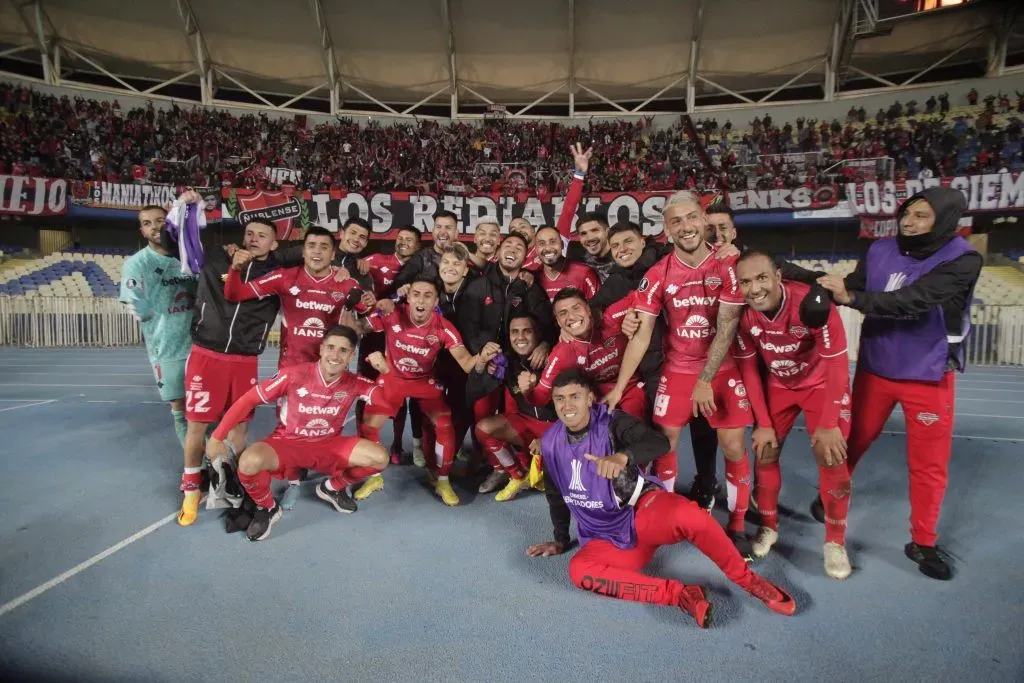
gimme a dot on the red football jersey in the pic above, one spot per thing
(532, 261)
(383, 269)
(309, 407)
(411, 349)
(578, 275)
(689, 297)
(796, 356)
(309, 307)
(600, 357)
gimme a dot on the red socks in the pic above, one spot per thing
(351, 476)
(500, 456)
(737, 481)
(834, 483)
(769, 483)
(666, 466)
(191, 479)
(258, 487)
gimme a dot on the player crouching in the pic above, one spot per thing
(314, 399)
(808, 371)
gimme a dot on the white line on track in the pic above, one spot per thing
(79, 568)
(1000, 417)
(971, 437)
(28, 405)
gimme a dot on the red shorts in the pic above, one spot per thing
(673, 404)
(633, 401)
(528, 428)
(428, 392)
(785, 404)
(327, 456)
(214, 381)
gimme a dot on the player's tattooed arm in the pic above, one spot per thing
(728, 321)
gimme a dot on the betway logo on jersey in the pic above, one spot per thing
(311, 327)
(696, 327)
(319, 410)
(780, 348)
(315, 427)
(419, 351)
(314, 306)
(602, 361)
(694, 301)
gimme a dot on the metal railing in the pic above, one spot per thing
(997, 335)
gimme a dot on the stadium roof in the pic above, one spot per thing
(458, 56)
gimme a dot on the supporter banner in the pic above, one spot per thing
(132, 197)
(874, 228)
(280, 175)
(388, 211)
(25, 196)
(988, 192)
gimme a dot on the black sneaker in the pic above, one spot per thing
(703, 493)
(818, 510)
(262, 522)
(931, 560)
(743, 545)
(340, 500)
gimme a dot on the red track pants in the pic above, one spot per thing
(662, 518)
(928, 409)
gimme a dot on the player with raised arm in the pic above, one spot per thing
(586, 343)
(808, 372)
(315, 399)
(593, 472)
(414, 336)
(699, 296)
(506, 438)
(163, 301)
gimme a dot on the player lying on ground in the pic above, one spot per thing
(808, 372)
(314, 401)
(593, 459)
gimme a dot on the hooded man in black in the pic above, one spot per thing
(915, 292)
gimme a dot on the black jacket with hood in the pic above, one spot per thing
(950, 285)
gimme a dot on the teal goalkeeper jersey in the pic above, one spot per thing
(163, 300)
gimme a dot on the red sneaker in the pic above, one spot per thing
(694, 601)
(774, 598)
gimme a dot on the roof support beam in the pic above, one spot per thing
(726, 90)
(36, 27)
(572, 58)
(328, 55)
(840, 48)
(999, 40)
(698, 32)
(939, 62)
(197, 45)
(788, 83)
(453, 74)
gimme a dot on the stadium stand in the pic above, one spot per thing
(72, 273)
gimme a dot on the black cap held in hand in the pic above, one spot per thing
(815, 307)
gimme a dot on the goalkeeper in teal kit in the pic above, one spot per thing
(163, 300)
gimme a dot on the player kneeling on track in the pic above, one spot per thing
(808, 372)
(592, 471)
(314, 401)
(522, 422)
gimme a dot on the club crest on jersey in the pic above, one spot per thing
(644, 284)
(713, 282)
(740, 390)
(337, 296)
(927, 419)
(609, 343)
(431, 339)
(798, 331)
(516, 300)
(340, 395)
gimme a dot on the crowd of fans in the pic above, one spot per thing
(82, 139)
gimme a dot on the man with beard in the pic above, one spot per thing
(633, 257)
(522, 423)
(424, 262)
(384, 268)
(352, 240)
(522, 227)
(558, 273)
(915, 292)
(700, 299)
(589, 345)
(486, 238)
(593, 473)
(162, 299)
(809, 373)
